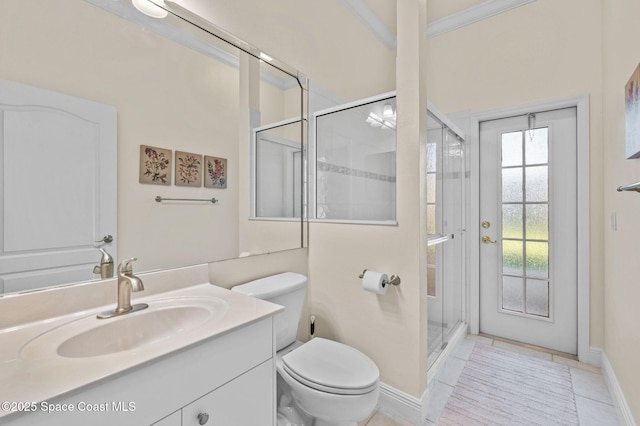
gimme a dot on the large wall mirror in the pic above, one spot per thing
(102, 110)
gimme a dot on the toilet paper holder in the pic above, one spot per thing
(393, 279)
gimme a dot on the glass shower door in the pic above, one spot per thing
(445, 235)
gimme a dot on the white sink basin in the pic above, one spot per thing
(90, 337)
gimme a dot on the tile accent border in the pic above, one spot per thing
(333, 168)
(619, 401)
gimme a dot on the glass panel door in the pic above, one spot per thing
(445, 234)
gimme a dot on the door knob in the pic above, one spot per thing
(488, 240)
(203, 418)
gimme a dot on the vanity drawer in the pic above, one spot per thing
(247, 400)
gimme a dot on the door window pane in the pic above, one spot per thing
(512, 221)
(536, 147)
(537, 222)
(431, 255)
(431, 281)
(512, 149)
(431, 187)
(512, 257)
(431, 219)
(537, 297)
(537, 259)
(432, 157)
(537, 184)
(513, 294)
(512, 185)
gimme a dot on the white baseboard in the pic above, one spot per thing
(593, 357)
(619, 401)
(395, 403)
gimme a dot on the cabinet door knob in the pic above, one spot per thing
(203, 418)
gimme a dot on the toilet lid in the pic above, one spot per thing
(332, 367)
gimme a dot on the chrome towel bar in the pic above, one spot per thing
(631, 187)
(209, 200)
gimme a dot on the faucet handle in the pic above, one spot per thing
(125, 266)
(106, 257)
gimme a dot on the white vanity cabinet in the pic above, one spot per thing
(174, 419)
(246, 400)
(242, 402)
(229, 377)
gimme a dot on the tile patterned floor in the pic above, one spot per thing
(593, 401)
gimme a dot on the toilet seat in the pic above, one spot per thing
(332, 367)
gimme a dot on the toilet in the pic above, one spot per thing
(320, 382)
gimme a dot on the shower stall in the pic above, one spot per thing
(445, 227)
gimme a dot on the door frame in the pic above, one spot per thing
(581, 103)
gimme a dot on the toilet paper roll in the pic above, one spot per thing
(375, 282)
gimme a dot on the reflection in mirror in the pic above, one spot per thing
(278, 171)
(175, 89)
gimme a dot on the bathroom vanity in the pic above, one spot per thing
(199, 355)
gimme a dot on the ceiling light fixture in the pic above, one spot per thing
(387, 111)
(266, 57)
(149, 8)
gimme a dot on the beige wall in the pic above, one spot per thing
(233, 272)
(165, 96)
(621, 247)
(323, 40)
(542, 51)
(351, 63)
(549, 50)
(267, 104)
(391, 328)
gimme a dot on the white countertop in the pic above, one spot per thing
(48, 375)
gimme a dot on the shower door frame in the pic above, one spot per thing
(454, 335)
(581, 103)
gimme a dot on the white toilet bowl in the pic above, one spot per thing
(334, 383)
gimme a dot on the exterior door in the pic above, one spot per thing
(528, 238)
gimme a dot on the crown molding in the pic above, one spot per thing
(371, 21)
(125, 10)
(472, 15)
(449, 23)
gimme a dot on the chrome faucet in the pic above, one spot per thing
(105, 269)
(127, 282)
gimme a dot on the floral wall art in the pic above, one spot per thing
(188, 169)
(155, 165)
(632, 115)
(155, 168)
(215, 172)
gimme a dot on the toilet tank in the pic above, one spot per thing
(287, 289)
